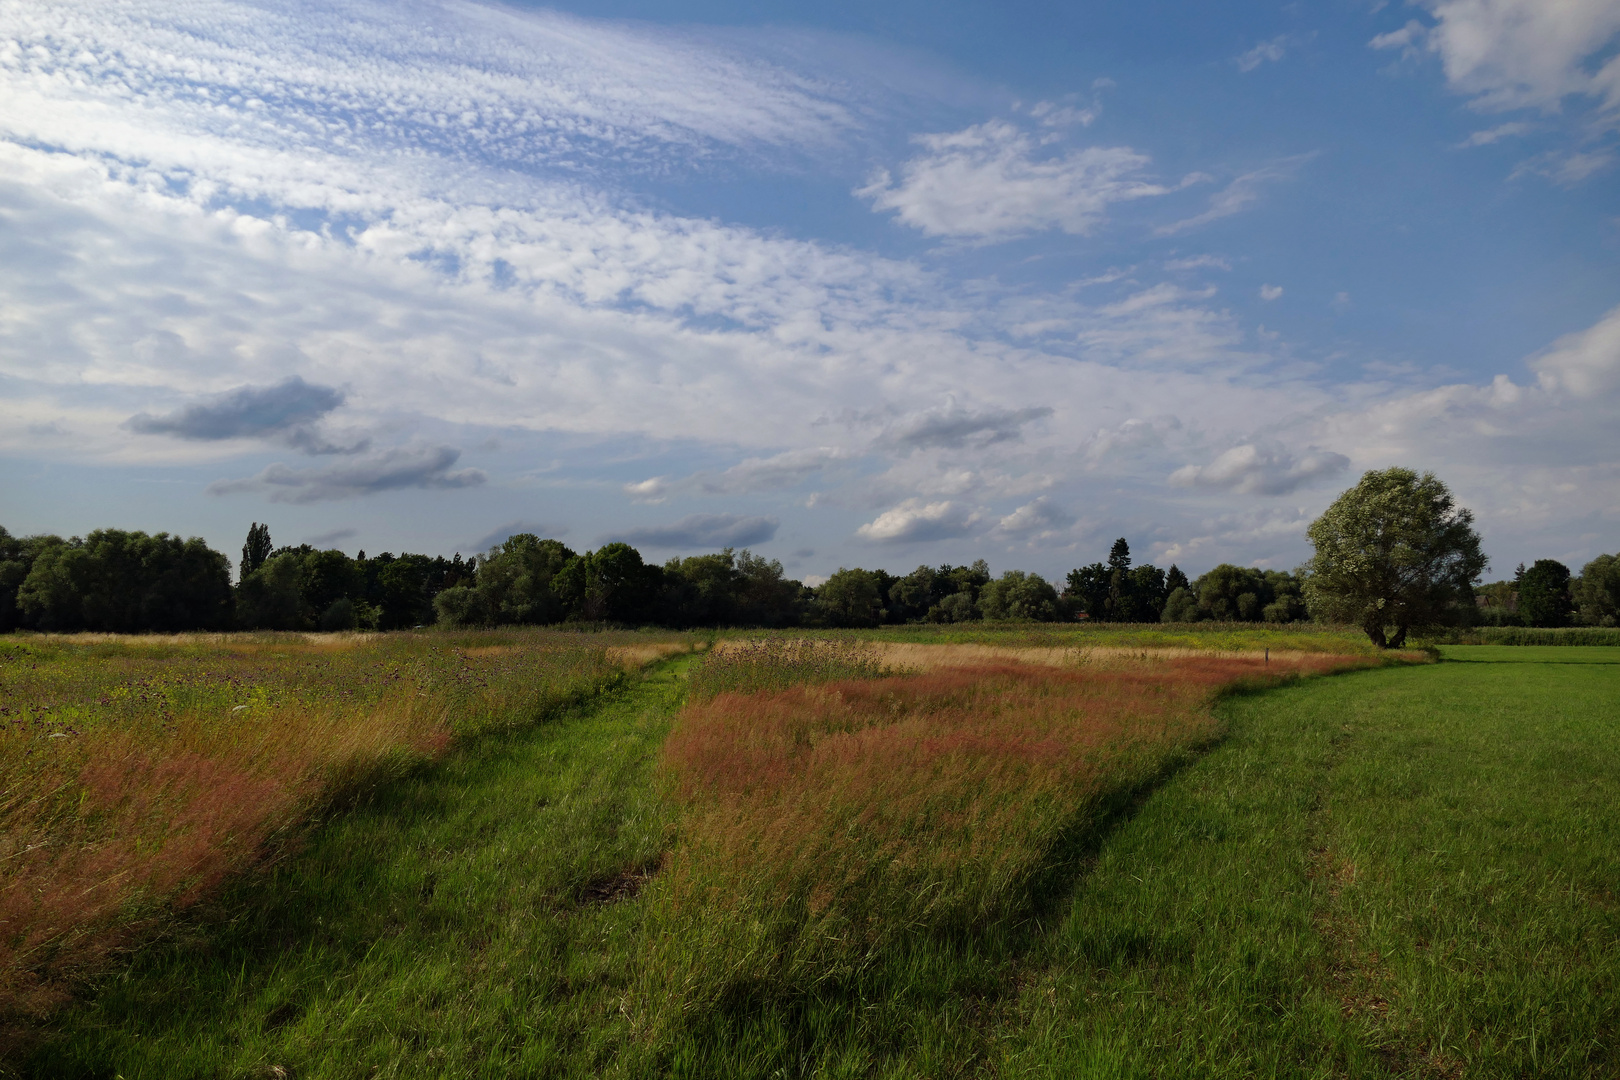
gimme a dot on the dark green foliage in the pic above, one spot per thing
(724, 589)
(765, 595)
(850, 598)
(325, 577)
(1244, 594)
(1087, 587)
(270, 598)
(1181, 606)
(1544, 594)
(1597, 591)
(610, 584)
(255, 551)
(1393, 554)
(1017, 596)
(938, 594)
(1114, 592)
(126, 582)
(17, 555)
(339, 616)
(1496, 604)
(400, 591)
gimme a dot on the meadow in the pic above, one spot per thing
(862, 855)
(138, 773)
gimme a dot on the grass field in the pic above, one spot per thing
(1397, 872)
(137, 774)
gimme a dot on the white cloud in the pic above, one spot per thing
(1488, 136)
(1198, 262)
(915, 521)
(1518, 53)
(1563, 167)
(1273, 50)
(1237, 196)
(1040, 517)
(655, 490)
(1586, 363)
(1252, 470)
(1269, 293)
(992, 182)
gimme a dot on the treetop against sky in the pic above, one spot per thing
(847, 284)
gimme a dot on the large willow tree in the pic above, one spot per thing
(1393, 554)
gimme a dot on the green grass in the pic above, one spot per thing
(1396, 872)
(1407, 871)
(467, 921)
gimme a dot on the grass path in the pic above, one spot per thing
(1401, 872)
(467, 921)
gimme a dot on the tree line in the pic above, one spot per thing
(1392, 554)
(130, 582)
(1547, 594)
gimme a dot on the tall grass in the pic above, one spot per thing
(822, 824)
(136, 775)
(764, 664)
(1531, 635)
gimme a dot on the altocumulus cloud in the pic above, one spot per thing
(388, 470)
(989, 182)
(704, 531)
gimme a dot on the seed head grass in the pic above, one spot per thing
(137, 774)
(821, 824)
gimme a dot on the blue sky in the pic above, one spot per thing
(859, 284)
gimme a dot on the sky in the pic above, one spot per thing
(848, 284)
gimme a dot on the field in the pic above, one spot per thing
(136, 774)
(831, 858)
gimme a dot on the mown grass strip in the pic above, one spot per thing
(1406, 872)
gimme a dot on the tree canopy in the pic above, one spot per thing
(1393, 554)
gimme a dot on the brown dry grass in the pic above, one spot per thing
(636, 657)
(136, 773)
(821, 823)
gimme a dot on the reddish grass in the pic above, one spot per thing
(133, 784)
(821, 823)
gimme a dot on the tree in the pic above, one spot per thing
(127, 583)
(1180, 606)
(255, 551)
(1544, 594)
(1597, 591)
(700, 590)
(272, 596)
(1393, 554)
(1019, 596)
(766, 596)
(610, 583)
(17, 555)
(1087, 588)
(850, 598)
